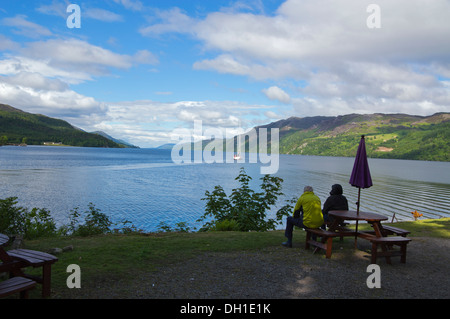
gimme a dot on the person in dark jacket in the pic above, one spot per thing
(336, 201)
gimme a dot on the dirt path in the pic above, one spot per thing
(291, 273)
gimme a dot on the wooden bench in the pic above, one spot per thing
(386, 242)
(389, 230)
(15, 285)
(14, 260)
(33, 258)
(326, 242)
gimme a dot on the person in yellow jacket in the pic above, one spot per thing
(307, 214)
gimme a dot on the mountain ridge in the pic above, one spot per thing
(398, 135)
(20, 127)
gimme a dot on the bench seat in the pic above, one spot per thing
(386, 243)
(396, 231)
(326, 242)
(35, 259)
(15, 285)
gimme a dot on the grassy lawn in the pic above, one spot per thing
(117, 255)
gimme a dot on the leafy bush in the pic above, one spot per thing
(95, 222)
(225, 225)
(19, 220)
(37, 222)
(11, 217)
(180, 227)
(245, 208)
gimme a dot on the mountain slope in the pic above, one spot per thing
(399, 136)
(17, 126)
(120, 142)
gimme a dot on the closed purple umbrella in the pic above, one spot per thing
(360, 174)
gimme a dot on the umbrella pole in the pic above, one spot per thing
(357, 213)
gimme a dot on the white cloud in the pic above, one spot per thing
(24, 27)
(15, 65)
(275, 93)
(303, 31)
(151, 123)
(56, 9)
(101, 15)
(60, 9)
(174, 20)
(61, 103)
(70, 60)
(272, 115)
(35, 81)
(145, 57)
(38, 76)
(7, 44)
(76, 53)
(343, 65)
(134, 5)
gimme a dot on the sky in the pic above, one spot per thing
(139, 70)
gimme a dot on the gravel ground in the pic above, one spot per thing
(282, 273)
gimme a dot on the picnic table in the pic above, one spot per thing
(14, 260)
(340, 216)
(379, 236)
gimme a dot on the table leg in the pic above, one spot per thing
(46, 280)
(377, 228)
(378, 232)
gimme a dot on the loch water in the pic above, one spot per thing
(146, 187)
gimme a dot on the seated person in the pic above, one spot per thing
(336, 201)
(307, 214)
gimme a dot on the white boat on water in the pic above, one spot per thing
(237, 156)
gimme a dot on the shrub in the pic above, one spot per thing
(39, 223)
(226, 225)
(245, 207)
(11, 216)
(95, 222)
(19, 220)
(181, 227)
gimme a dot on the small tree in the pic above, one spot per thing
(245, 208)
(3, 140)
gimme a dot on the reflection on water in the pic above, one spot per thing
(145, 187)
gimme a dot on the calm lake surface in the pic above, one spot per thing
(145, 187)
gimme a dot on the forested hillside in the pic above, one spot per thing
(399, 136)
(18, 127)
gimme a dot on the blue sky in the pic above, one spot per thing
(140, 69)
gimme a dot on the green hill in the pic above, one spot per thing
(18, 127)
(399, 136)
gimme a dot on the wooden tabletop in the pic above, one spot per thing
(352, 215)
